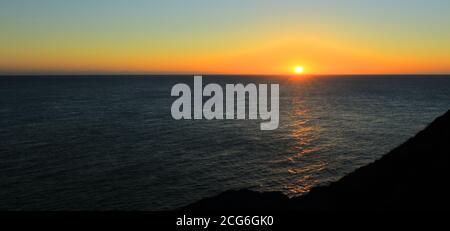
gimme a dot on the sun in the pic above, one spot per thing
(298, 70)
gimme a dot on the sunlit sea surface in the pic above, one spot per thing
(102, 143)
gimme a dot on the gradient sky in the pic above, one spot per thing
(232, 37)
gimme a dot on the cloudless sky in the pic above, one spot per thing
(233, 36)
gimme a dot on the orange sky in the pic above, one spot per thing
(255, 37)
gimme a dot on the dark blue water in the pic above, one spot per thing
(110, 142)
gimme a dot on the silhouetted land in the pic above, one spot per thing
(413, 176)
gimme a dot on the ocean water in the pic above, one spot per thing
(108, 143)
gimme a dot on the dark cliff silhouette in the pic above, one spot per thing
(413, 176)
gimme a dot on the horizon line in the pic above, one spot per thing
(208, 74)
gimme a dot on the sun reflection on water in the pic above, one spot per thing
(304, 134)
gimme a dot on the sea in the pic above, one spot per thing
(110, 142)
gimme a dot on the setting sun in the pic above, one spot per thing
(298, 70)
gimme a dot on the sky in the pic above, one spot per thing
(225, 37)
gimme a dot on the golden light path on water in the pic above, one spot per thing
(303, 133)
